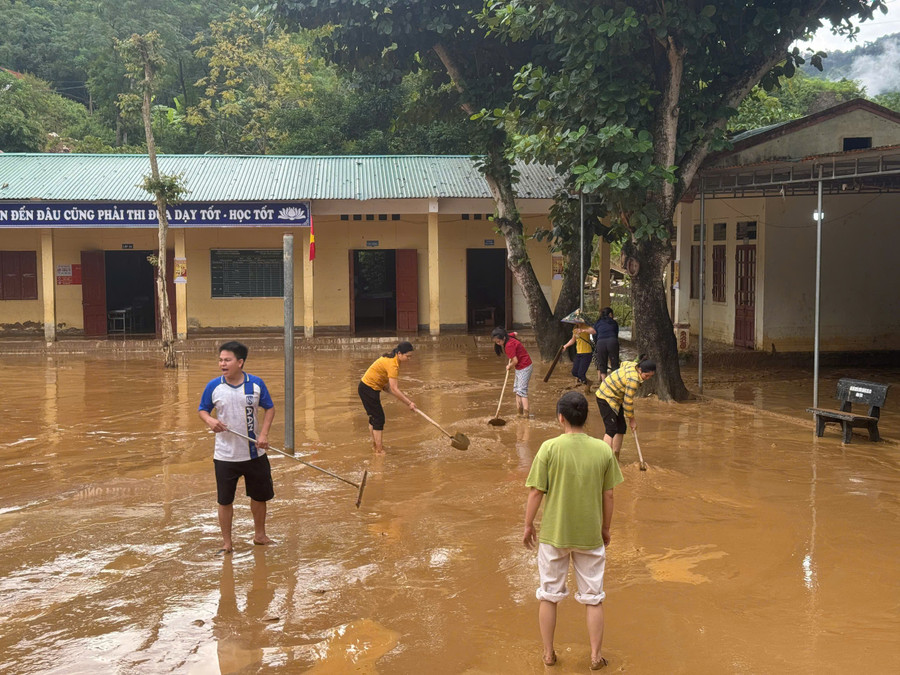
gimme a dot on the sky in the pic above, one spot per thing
(870, 71)
(883, 24)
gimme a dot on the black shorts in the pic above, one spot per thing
(614, 422)
(371, 400)
(257, 475)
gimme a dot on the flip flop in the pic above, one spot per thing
(551, 661)
(224, 551)
(601, 663)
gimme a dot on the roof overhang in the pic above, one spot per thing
(875, 170)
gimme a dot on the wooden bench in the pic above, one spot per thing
(850, 391)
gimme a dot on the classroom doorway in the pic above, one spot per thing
(130, 291)
(118, 291)
(488, 290)
(384, 292)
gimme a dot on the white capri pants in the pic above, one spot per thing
(553, 566)
(520, 385)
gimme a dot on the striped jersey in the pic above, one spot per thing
(620, 386)
(237, 407)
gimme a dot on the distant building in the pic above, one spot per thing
(760, 200)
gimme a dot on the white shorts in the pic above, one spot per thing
(553, 566)
(520, 385)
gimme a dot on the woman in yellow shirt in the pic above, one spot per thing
(381, 375)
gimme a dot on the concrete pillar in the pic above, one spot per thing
(180, 289)
(309, 314)
(48, 284)
(434, 270)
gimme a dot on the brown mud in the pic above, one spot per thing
(749, 546)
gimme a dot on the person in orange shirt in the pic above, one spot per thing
(381, 375)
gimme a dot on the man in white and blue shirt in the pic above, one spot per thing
(236, 397)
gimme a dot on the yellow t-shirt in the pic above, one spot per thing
(582, 340)
(379, 372)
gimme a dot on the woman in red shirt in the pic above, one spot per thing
(520, 360)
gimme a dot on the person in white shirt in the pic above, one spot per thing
(236, 397)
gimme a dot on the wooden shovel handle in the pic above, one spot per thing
(553, 365)
(502, 391)
(446, 433)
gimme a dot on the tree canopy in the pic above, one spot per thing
(634, 96)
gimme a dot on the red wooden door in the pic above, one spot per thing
(407, 266)
(170, 291)
(352, 293)
(93, 292)
(745, 296)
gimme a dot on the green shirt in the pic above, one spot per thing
(573, 470)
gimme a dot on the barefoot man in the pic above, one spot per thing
(236, 397)
(576, 474)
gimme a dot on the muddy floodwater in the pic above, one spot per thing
(749, 546)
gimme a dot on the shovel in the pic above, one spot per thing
(496, 421)
(361, 485)
(458, 441)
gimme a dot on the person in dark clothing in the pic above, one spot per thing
(606, 351)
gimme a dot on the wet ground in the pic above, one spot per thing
(748, 547)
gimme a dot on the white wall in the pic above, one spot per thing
(860, 302)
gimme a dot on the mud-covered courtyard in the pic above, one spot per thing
(749, 546)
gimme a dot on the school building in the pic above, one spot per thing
(758, 206)
(402, 244)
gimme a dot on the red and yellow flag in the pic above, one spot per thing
(312, 240)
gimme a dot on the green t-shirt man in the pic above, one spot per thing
(573, 470)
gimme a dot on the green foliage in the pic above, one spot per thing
(630, 97)
(254, 76)
(889, 100)
(35, 119)
(168, 187)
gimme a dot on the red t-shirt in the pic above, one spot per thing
(515, 349)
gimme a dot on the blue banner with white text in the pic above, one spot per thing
(141, 214)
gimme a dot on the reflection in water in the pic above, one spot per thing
(108, 529)
(238, 633)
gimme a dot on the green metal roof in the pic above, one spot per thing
(70, 177)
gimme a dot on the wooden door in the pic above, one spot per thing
(745, 296)
(407, 266)
(352, 292)
(93, 293)
(170, 291)
(508, 297)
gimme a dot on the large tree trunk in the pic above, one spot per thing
(654, 332)
(547, 329)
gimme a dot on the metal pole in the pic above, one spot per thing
(289, 343)
(702, 282)
(581, 260)
(819, 218)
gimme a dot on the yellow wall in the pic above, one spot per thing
(206, 312)
(26, 312)
(331, 282)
